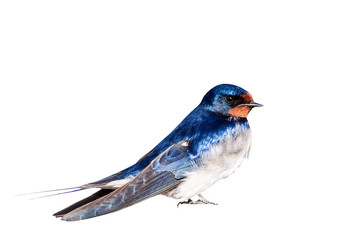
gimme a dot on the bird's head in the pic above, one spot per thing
(229, 100)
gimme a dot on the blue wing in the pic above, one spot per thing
(163, 174)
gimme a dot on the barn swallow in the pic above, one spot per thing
(208, 145)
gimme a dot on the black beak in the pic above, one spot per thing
(253, 104)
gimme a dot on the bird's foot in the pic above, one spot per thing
(186, 202)
(202, 200)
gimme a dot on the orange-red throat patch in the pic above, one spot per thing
(241, 111)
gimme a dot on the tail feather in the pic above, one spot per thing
(63, 190)
(60, 193)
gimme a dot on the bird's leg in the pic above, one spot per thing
(202, 200)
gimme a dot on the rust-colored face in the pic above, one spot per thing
(241, 111)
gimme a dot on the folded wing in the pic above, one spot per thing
(163, 174)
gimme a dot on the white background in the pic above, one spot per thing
(88, 87)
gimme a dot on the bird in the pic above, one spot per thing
(208, 145)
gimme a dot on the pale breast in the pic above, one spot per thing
(220, 162)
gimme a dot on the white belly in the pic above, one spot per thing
(220, 162)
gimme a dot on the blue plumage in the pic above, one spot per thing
(214, 137)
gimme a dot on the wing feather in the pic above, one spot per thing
(82, 202)
(159, 177)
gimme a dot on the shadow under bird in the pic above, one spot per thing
(208, 145)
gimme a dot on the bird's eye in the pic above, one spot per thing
(229, 99)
